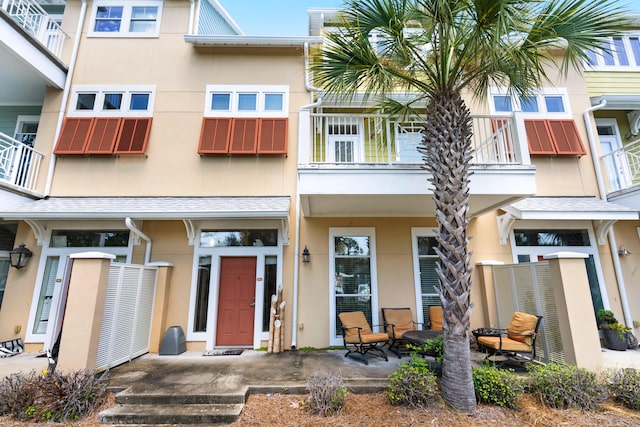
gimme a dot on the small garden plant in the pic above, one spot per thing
(624, 386)
(565, 386)
(327, 393)
(413, 384)
(497, 386)
(57, 397)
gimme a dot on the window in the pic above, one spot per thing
(619, 53)
(112, 101)
(547, 101)
(113, 18)
(553, 137)
(426, 278)
(247, 101)
(245, 119)
(353, 278)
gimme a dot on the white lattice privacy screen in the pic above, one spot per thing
(527, 287)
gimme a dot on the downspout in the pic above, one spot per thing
(613, 245)
(192, 9)
(131, 226)
(296, 242)
(65, 96)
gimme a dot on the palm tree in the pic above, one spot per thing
(440, 50)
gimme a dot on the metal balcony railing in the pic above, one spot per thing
(623, 166)
(19, 163)
(37, 22)
(338, 138)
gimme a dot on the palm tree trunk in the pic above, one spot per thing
(447, 151)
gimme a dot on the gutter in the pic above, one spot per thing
(249, 41)
(65, 96)
(613, 245)
(296, 244)
(131, 226)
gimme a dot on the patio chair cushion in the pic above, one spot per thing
(435, 317)
(366, 338)
(522, 324)
(351, 321)
(398, 321)
(508, 344)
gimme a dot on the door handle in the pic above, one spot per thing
(253, 304)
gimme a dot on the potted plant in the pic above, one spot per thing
(613, 333)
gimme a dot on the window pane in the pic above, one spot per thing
(142, 26)
(247, 101)
(270, 277)
(273, 102)
(551, 238)
(426, 245)
(524, 258)
(141, 12)
(635, 48)
(352, 287)
(220, 101)
(529, 104)
(502, 103)
(86, 101)
(554, 104)
(210, 239)
(594, 285)
(621, 52)
(202, 295)
(352, 245)
(592, 57)
(607, 55)
(108, 19)
(139, 101)
(47, 288)
(88, 238)
(112, 101)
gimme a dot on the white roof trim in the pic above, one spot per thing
(617, 102)
(569, 208)
(249, 41)
(225, 15)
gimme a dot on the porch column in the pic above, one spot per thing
(576, 319)
(489, 305)
(84, 309)
(159, 316)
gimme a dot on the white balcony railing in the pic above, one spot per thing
(377, 139)
(19, 163)
(623, 166)
(37, 22)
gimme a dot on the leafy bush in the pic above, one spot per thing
(624, 386)
(605, 317)
(566, 386)
(58, 397)
(500, 387)
(412, 384)
(435, 347)
(327, 393)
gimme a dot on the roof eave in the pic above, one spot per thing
(249, 41)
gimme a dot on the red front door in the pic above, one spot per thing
(236, 306)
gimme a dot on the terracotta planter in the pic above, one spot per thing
(613, 341)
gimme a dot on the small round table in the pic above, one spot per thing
(421, 337)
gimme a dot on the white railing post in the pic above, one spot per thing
(520, 143)
(305, 137)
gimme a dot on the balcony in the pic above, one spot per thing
(368, 165)
(622, 169)
(19, 163)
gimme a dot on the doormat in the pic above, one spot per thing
(223, 352)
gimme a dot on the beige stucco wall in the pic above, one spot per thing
(628, 236)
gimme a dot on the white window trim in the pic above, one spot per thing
(351, 231)
(539, 94)
(63, 253)
(415, 233)
(126, 18)
(216, 253)
(101, 90)
(234, 90)
(633, 66)
(545, 250)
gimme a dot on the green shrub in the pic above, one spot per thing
(58, 397)
(327, 393)
(435, 347)
(566, 386)
(500, 387)
(412, 384)
(624, 386)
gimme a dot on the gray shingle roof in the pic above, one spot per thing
(152, 207)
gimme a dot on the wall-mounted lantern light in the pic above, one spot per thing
(306, 256)
(20, 256)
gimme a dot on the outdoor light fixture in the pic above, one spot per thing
(306, 256)
(20, 256)
(623, 251)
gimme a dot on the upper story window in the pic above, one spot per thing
(546, 101)
(125, 18)
(112, 101)
(621, 53)
(247, 101)
(245, 119)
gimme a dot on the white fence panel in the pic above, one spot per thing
(126, 322)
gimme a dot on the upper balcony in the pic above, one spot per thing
(31, 43)
(622, 171)
(19, 163)
(368, 165)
